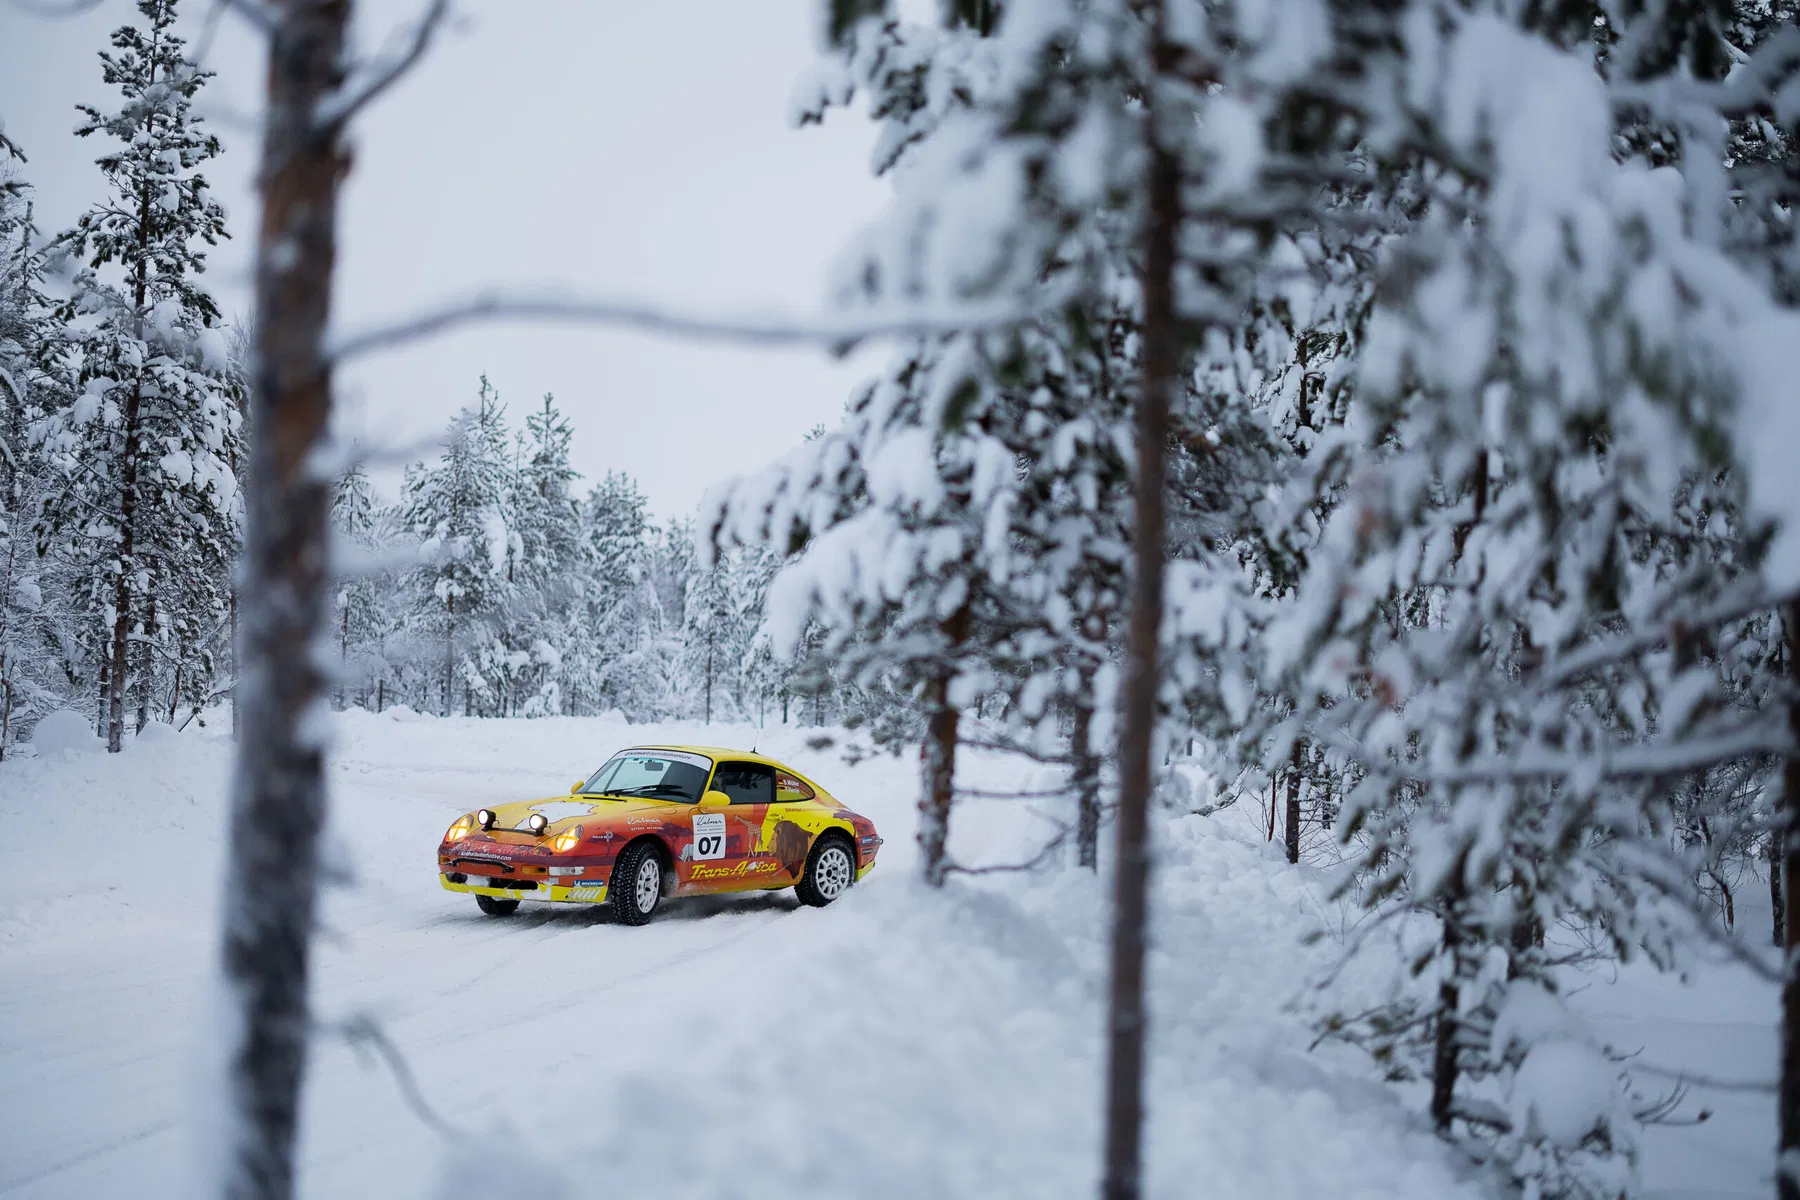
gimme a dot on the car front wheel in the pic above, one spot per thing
(830, 870)
(494, 907)
(636, 885)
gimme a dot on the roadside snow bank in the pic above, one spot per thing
(949, 1043)
(122, 841)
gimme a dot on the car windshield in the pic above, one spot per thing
(654, 774)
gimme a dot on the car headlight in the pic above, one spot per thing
(567, 840)
(485, 818)
(537, 823)
(460, 830)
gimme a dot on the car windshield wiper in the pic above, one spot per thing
(653, 789)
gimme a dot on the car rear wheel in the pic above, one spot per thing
(495, 907)
(830, 870)
(636, 886)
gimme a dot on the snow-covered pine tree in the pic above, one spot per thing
(622, 645)
(365, 589)
(548, 561)
(32, 679)
(706, 637)
(140, 448)
(891, 517)
(1537, 560)
(455, 507)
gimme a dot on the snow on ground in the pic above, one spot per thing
(897, 1044)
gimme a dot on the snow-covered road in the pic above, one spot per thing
(899, 1043)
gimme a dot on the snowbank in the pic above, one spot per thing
(65, 733)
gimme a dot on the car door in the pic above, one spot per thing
(735, 862)
(790, 826)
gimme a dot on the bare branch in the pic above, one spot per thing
(1693, 1079)
(981, 794)
(337, 111)
(839, 333)
(1031, 864)
(253, 11)
(1006, 747)
(364, 1034)
(48, 8)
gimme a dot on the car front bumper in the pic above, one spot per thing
(586, 891)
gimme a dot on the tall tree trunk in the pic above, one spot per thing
(1788, 828)
(6, 660)
(146, 656)
(128, 498)
(1086, 774)
(1160, 365)
(236, 653)
(1776, 905)
(938, 758)
(449, 653)
(1444, 1062)
(117, 667)
(1293, 804)
(278, 798)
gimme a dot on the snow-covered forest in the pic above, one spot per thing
(494, 583)
(492, 586)
(1350, 442)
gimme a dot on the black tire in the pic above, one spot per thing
(631, 893)
(830, 870)
(495, 907)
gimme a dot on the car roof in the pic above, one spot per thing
(725, 752)
(715, 752)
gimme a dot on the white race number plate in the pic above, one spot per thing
(709, 835)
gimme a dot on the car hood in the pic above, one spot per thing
(566, 811)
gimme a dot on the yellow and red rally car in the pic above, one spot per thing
(661, 821)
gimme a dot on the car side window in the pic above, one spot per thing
(746, 783)
(789, 790)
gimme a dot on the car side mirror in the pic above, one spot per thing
(715, 799)
(575, 788)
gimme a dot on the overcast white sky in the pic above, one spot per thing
(619, 146)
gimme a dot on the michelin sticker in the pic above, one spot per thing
(709, 835)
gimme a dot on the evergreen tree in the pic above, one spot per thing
(362, 615)
(29, 678)
(548, 559)
(455, 508)
(141, 447)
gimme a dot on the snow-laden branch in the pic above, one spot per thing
(1627, 762)
(1746, 90)
(1606, 653)
(337, 110)
(836, 332)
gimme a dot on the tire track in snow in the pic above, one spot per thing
(142, 1134)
